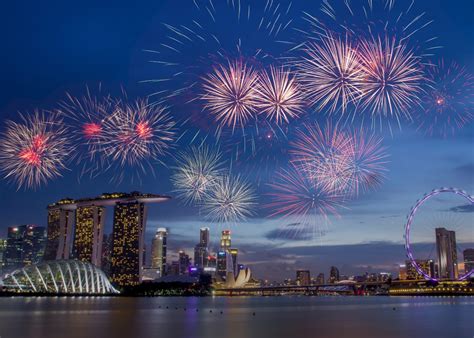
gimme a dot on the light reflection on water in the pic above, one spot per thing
(234, 317)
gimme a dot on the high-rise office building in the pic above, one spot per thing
(3, 247)
(447, 254)
(427, 265)
(60, 230)
(303, 277)
(34, 243)
(233, 254)
(204, 236)
(333, 274)
(89, 233)
(320, 278)
(201, 250)
(468, 255)
(225, 240)
(158, 250)
(402, 272)
(13, 254)
(221, 263)
(127, 247)
(24, 246)
(184, 263)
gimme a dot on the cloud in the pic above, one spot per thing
(294, 232)
(463, 208)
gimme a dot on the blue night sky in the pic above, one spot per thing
(50, 48)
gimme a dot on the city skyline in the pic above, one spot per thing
(371, 224)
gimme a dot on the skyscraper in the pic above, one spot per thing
(225, 240)
(34, 242)
(60, 230)
(201, 250)
(221, 263)
(333, 275)
(89, 233)
(158, 250)
(3, 247)
(184, 262)
(233, 254)
(468, 255)
(303, 277)
(447, 254)
(204, 236)
(320, 278)
(127, 247)
(25, 246)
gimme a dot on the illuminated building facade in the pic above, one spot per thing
(402, 272)
(89, 233)
(127, 247)
(201, 250)
(427, 265)
(24, 246)
(447, 254)
(3, 247)
(158, 250)
(320, 279)
(468, 255)
(184, 263)
(225, 240)
(333, 274)
(221, 263)
(233, 254)
(60, 230)
(303, 277)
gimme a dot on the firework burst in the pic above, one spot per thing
(392, 79)
(324, 156)
(449, 102)
(297, 198)
(331, 73)
(230, 200)
(278, 95)
(196, 173)
(34, 150)
(367, 163)
(137, 133)
(230, 95)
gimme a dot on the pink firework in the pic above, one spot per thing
(230, 95)
(34, 150)
(325, 156)
(367, 163)
(137, 133)
(331, 73)
(279, 96)
(296, 195)
(392, 79)
(449, 102)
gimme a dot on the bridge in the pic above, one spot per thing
(349, 288)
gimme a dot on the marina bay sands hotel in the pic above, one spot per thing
(76, 230)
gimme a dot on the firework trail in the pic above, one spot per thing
(367, 163)
(331, 73)
(393, 80)
(296, 197)
(279, 97)
(230, 200)
(449, 102)
(137, 133)
(324, 155)
(364, 19)
(186, 49)
(35, 150)
(230, 95)
(86, 115)
(196, 173)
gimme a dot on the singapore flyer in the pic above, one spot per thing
(445, 259)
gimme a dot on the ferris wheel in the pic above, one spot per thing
(409, 228)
